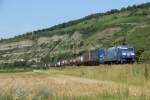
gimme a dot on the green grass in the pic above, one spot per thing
(15, 70)
(119, 73)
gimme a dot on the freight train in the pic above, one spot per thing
(113, 55)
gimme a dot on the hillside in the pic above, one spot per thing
(126, 26)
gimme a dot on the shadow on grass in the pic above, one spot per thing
(16, 70)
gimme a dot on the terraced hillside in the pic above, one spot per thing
(126, 26)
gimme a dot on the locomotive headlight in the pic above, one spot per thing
(124, 54)
(132, 54)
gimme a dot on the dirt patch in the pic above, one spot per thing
(105, 33)
(43, 40)
(148, 16)
(13, 45)
(46, 40)
(58, 37)
(110, 31)
(76, 36)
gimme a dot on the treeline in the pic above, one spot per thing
(142, 56)
(18, 64)
(70, 23)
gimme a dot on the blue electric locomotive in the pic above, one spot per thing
(126, 54)
(118, 54)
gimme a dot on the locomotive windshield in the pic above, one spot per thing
(127, 50)
(130, 49)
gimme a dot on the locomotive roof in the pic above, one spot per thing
(121, 47)
(124, 47)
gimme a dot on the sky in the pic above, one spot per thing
(21, 16)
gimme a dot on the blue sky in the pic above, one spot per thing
(21, 16)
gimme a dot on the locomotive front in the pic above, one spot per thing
(126, 54)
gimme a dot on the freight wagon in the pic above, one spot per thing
(88, 58)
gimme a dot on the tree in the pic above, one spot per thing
(145, 57)
(46, 59)
(139, 52)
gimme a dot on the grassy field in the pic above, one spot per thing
(115, 82)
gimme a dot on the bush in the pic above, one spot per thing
(139, 52)
(145, 57)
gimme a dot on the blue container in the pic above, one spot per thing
(111, 55)
(101, 55)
